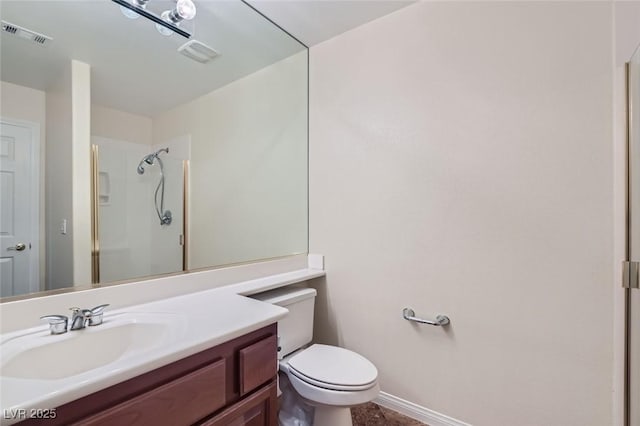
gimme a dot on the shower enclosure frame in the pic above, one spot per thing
(95, 215)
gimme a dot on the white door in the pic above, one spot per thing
(18, 208)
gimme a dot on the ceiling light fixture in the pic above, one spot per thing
(132, 14)
(184, 10)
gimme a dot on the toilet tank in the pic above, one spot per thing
(296, 329)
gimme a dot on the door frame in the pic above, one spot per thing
(34, 216)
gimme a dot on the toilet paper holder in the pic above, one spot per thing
(410, 315)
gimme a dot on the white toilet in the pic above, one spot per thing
(329, 378)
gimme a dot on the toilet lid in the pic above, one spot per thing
(333, 366)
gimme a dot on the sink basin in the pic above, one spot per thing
(40, 355)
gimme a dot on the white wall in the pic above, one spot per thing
(627, 39)
(119, 125)
(25, 103)
(627, 29)
(248, 165)
(461, 164)
(68, 191)
(58, 186)
(81, 170)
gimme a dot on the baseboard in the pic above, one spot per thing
(415, 411)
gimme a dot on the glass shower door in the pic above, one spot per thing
(140, 210)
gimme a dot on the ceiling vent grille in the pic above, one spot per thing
(198, 51)
(25, 34)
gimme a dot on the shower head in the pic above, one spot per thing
(146, 159)
(158, 196)
(149, 159)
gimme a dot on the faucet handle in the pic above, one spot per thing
(57, 323)
(96, 315)
(83, 312)
(98, 309)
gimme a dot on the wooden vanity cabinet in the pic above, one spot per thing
(233, 384)
(259, 408)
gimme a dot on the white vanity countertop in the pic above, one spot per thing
(199, 321)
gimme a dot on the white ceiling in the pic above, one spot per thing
(135, 69)
(314, 21)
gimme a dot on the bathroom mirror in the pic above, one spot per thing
(210, 129)
(633, 237)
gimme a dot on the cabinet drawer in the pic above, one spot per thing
(183, 401)
(258, 364)
(257, 409)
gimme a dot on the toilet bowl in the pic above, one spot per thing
(329, 378)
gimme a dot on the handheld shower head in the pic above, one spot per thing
(149, 159)
(164, 215)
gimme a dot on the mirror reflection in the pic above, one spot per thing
(129, 151)
(633, 319)
(634, 151)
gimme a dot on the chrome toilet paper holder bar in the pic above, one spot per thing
(410, 315)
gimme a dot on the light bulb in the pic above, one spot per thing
(162, 29)
(129, 13)
(185, 9)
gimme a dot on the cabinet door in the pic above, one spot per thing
(258, 363)
(180, 402)
(258, 409)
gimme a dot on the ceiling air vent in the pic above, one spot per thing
(198, 51)
(25, 34)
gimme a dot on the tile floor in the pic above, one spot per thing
(373, 415)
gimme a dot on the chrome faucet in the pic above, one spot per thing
(80, 318)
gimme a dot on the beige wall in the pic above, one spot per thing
(81, 170)
(248, 165)
(119, 125)
(68, 103)
(461, 163)
(627, 39)
(25, 103)
(59, 182)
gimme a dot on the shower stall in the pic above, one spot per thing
(139, 200)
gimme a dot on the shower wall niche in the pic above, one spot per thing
(132, 241)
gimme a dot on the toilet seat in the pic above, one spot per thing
(333, 368)
(318, 396)
(329, 386)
